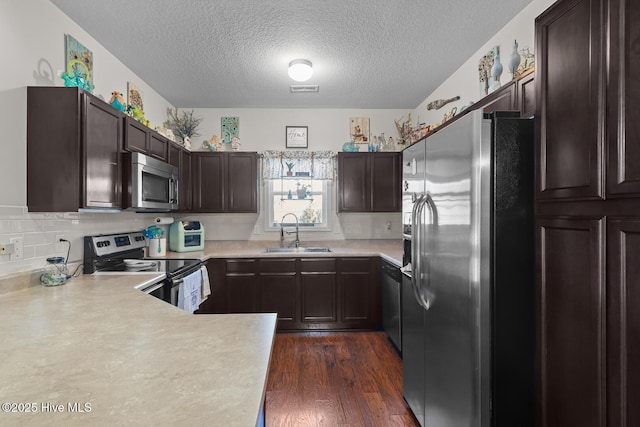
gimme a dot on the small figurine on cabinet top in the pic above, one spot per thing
(117, 101)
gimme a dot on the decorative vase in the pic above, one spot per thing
(514, 59)
(496, 71)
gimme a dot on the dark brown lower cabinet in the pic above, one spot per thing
(307, 293)
(572, 348)
(318, 293)
(623, 321)
(278, 290)
(357, 304)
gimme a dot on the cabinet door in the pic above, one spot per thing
(571, 333)
(174, 151)
(136, 136)
(157, 146)
(355, 290)
(623, 322)
(242, 287)
(242, 182)
(318, 291)
(354, 191)
(386, 177)
(208, 185)
(570, 108)
(501, 100)
(186, 182)
(278, 290)
(102, 134)
(526, 96)
(623, 178)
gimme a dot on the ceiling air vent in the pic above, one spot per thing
(304, 88)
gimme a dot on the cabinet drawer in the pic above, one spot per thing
(318, 265)
(360, 265)
(281, 265)
(241, 266)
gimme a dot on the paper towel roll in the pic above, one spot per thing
(164, 220)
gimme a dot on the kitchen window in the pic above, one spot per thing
(307, 199)
(298, 182)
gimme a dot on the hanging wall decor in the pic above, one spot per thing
(297, 136)
(359, 129)
(230, 128)
(134, 96)
(79, 64)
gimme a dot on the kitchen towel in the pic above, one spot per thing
(206, 287)
(189, 293)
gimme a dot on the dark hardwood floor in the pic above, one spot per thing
(335, 379)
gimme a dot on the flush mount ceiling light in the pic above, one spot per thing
(300, 70)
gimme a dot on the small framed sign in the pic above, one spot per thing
(297, 137)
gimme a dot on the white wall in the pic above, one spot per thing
(464, 82)
(32, 45)
(264, 129)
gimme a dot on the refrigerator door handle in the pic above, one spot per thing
(426, 295)
(416, 233)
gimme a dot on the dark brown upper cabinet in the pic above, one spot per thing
(225, 182)
(139, 138)
(623, 100)
(369, 182)
(73, 150)
(181, 158)
(503, 99)
(570, 101)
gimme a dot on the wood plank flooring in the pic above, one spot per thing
(335, 379)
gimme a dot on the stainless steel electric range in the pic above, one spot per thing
(124, 253)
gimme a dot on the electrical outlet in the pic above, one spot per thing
(58, 245)
(17, 248)
(388, 225)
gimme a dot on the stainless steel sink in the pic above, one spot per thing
(281, 250)
(293, 250)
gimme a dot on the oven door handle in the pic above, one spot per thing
(153, 287)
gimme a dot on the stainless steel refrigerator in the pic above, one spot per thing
(467, 295)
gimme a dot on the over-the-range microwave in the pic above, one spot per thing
(149, 184)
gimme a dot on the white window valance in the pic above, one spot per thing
(315, 164)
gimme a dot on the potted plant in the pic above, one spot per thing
(289, 166)
(183, 124)
(301, 191)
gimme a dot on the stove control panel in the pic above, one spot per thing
(108, 244)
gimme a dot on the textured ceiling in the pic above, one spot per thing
(234, 53)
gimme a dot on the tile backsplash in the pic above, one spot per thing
(39, 230)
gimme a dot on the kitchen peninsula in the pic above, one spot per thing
(121, 356)
(98, 351)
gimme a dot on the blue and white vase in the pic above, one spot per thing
(496, 71)
(514, 59)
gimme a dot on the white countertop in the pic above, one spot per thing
(391, 250)
(135, 360)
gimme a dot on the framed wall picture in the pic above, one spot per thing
(359, 129)
(297, 136)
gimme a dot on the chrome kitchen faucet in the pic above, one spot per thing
(297, 241)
